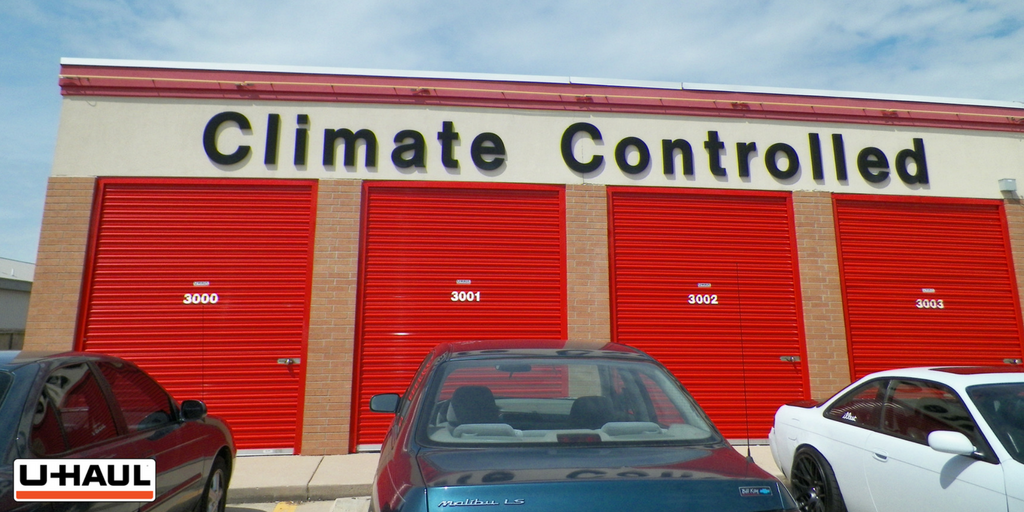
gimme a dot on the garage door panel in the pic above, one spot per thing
(926, 282)
(706, 283)
(249, 243)
(504, 245)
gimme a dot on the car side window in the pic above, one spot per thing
(143, 402)
(72, 405)
(862, 406)
(916, 408)
(47, 433)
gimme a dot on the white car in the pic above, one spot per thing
(927, 439)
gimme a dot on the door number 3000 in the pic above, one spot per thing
(201, 298)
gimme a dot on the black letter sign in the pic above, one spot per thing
(715, 147)
(792, 162)
(641, 149)
(870, 159)
(210, 138)
(351, 140)
(416, 146)
(567, 155)
(485, 145)
(448, 137)
(917, 155)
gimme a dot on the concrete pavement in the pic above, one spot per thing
(300, 478)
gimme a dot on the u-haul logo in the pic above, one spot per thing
(84, 480)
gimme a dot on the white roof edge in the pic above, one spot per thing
(851, 95)
(312, 70)
(17, 270)
(644, 84)
(494, 77)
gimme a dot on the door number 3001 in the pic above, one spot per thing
(201, 298)
(465, 296)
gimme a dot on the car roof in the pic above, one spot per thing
(958, 376)
(503, 349)
(11, 359)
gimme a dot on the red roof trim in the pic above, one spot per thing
(83, 80)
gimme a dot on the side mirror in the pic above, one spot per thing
(192, 410)
(385, 403)
(951, 442)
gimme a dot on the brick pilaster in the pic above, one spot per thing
(586, 226)
(53, 306)
(828, 360)
(330, 347)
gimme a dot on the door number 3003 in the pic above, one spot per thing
(930, 304)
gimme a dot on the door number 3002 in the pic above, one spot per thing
(697, 298)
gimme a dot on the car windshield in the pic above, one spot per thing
(559, 401)
(1002, 406)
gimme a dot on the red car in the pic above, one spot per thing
(90, 406)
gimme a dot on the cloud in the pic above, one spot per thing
(908, 47)
(947, 48)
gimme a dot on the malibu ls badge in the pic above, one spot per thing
(473, 502)
(54, 480)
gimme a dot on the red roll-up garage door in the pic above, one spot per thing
(706, 282)
(926, 282)
(448, 263)
(205, 284)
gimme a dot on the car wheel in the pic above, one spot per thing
(814, 484)
(215, 495)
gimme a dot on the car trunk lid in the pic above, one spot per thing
(597, 479)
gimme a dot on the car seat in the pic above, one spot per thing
(472, 404)
(590, 412)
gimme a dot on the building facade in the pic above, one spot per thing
(15, 290)
(285, 243)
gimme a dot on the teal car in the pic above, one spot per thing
(557, 426)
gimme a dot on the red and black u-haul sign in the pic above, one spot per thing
(205, 284)
(926, 282)
(707, 283)
(450, 262)
(85, 480)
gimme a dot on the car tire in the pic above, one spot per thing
(814, 484)
(215, 493)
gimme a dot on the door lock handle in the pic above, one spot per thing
(790, 359)
(289, 360)
(1012, 360)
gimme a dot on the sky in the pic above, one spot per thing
(940, 48)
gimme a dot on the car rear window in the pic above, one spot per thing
(559, 401)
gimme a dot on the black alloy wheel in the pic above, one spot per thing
(814, 484)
